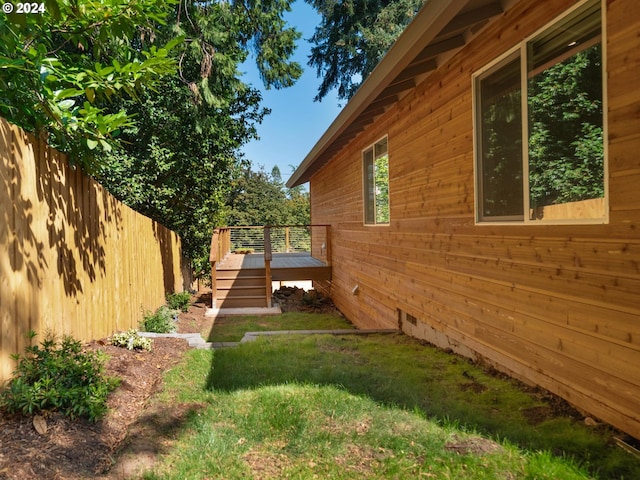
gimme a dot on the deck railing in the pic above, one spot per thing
(315, 239)
(281, 239)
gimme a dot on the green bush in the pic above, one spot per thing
(131, 340)
(163, 321)
(179, 301)
(60, 377)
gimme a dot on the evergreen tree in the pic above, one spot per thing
(352, 38)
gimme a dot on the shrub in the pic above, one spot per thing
(61, 377)
(179, 301)
(131, 340)
(163, 321)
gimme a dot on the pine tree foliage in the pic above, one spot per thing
(352, 38)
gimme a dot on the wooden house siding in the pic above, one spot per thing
(554, 305)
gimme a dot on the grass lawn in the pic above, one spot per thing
(232, 329)
(375, 406)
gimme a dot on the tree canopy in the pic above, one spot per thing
(352, 38)
(260, 198)
(61, 66)
(179, 161)
(147, 95)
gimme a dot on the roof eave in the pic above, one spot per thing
(429, 21)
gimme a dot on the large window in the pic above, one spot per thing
(375, 161)
(539, 126)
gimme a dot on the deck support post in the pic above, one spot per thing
(267, 263)
(287, 241)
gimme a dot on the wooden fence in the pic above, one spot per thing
(73, 259)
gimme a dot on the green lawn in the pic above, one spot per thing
(232, 329)
(375, 406)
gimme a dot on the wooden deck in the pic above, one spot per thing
(284, 266)
(246, 280)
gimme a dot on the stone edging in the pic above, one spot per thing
(195, 340)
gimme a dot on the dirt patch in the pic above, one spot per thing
(266, 465)
(194, 320)
(473, 386)
(537, 415)
(472, 446)
(299, 300)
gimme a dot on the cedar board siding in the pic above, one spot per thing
(74, 260)
(554, 305)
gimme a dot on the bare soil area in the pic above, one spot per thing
(80, 449)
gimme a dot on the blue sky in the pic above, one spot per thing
(296, 122)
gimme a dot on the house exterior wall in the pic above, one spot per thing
(554, 305)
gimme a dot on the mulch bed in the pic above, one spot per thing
(81, 449)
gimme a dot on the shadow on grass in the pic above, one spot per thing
(401, 371)
(152, 435)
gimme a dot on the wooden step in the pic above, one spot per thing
(244, 291)
(246, 272)
(241, 288)
(233, 282)
(241, 302)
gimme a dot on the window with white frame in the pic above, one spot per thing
(540, 153)
(375, 162)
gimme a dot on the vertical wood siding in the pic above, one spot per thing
(554, 305)
(74, 260)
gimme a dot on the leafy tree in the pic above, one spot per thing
(258, 199)
(299, 206)
(352, 38)
(60, 67)
(179, 161)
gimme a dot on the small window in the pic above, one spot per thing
(375, 162)
(539, 119)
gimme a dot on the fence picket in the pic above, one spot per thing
(73, 260)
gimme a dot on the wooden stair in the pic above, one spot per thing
(241, 288)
